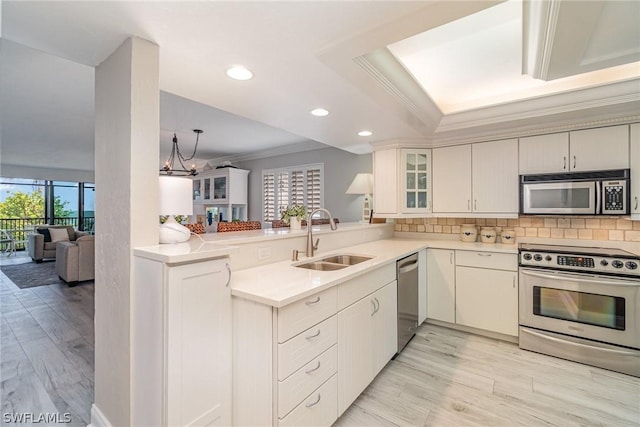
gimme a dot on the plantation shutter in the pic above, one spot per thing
(269, 196)
(282, 194)
(314, 189)
(300, 185)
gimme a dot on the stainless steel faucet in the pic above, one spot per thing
(311, 247)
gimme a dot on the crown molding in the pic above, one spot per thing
(540, 20)
(272, 152)
(401, 143)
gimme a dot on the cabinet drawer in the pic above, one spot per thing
(481, 259)
(361, 286)
(299, 350)
(305, 380)
(318, 409)
(295, 318)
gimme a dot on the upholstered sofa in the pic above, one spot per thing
(41, 245)
(75, 261)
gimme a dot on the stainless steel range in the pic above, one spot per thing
(581, 304)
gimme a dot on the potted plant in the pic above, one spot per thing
(293, 216)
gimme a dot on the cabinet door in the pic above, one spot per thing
(220, 188)
(197, 190)
(385, 331)
(422, 286)
(416, 181)
(544, 153)
(441, 288)
(635, 171)
(199, 346)
(355, 348)
(385, 178)
(487, 299)
(452, 179)
(495, 177)
(599, 149)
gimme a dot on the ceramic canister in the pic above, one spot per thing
(488, 235)
(508, 236)
(468, 232)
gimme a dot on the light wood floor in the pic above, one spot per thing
(46, 350)
(443, 377)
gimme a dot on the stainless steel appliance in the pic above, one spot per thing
(407, 274)
(581, 304)
(581, 193)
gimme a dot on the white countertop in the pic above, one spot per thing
(192, 250)
(281, 283)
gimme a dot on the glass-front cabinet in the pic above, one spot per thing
(201, 189)
(220, 188)
(415, 180)
(223, 192)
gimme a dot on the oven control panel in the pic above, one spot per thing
(627, 266)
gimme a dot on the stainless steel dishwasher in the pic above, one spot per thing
(407, 274)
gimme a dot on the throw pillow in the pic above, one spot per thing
(59, 234)
(45, 233)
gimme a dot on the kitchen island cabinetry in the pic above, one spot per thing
(402, 182)
(479, 179)
(635, 171)
(305, 362)
(182, 351)
(367, 337)
(576, 151)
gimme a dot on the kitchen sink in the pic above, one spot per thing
(346, 259)
(334, 262)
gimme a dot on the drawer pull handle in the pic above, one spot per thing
(479, 254)
(317, 300)
(309, 405)
(313, 369)
(312, 336)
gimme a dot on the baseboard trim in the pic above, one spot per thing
(97, 418)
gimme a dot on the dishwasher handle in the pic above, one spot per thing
(407, 265)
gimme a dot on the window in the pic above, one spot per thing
(298, 185)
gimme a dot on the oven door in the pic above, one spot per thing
(583, 305)
(560, 198)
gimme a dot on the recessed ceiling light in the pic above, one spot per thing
(320, 112)
(239, 72)
(365, 133)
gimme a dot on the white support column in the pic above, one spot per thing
(126, 175)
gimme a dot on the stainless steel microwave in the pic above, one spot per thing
(581, 193)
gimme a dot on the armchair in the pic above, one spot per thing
(75, 261)
(39, 247)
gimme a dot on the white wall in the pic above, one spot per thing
(340, 167)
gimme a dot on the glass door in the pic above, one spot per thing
(559, 198)
(220, 188)
(417, 180)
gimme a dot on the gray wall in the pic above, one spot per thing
(340, 167)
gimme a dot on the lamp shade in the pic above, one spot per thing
(362, 184)
(175, 196)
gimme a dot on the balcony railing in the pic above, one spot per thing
(19, 228)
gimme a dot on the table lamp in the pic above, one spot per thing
(363, 184)
(174, 199)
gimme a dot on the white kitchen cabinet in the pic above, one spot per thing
(495, 177)
(577, 151)
(635, 170)
(402, 182)
(441, 285)
(599, 149)
(476, 178)
(181, 319)
(452, 179)
(422, 286)
(487, 291)
(367, 340)
(544, 153)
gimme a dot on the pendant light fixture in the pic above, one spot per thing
(169, 169)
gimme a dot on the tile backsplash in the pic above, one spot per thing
(583, 228)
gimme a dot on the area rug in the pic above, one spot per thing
(31, 274)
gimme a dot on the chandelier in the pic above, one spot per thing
(169, 169)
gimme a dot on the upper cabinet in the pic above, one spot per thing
(477, 179)
(635, 171)
(221, 186)
(577, 151)
(402, 182)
